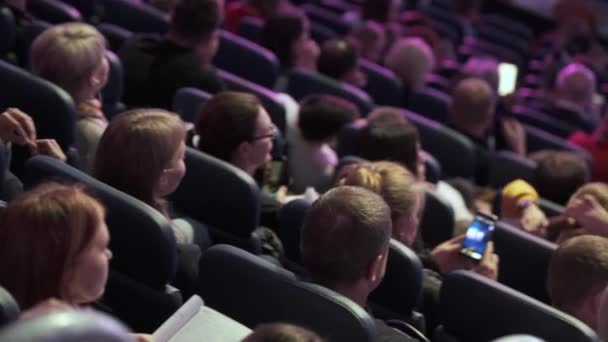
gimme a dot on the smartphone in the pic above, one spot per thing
(478, 235)
(273, 176)
(507, 78)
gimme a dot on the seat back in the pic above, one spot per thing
(321, 33)
(382, 84)
(497, 310)
(455, 152)
(112, 92)
(506, 166)
(53, 11)
(251, 291)
(143, 242)
(9, 309)
(220, 195)
(52, 110)
(537, 140)
(291, 218)
(542, 121)
(87, 8)
(67, 326)
(550, 209)
(437, 221)
(524, 260)
(269, 98)
(430, 103)
(326, 17)
(303, 83)
(262, 65)
(115, 35)
(401, 288)
(188, 101)
(133, 16)
(7, 30)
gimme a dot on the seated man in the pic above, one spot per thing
(577, 277)
(559, 174)
(339, 59)
(472, 113)
(155, 68)
(344, 245)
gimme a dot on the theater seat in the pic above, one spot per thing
(291, 218)
(53, 11)
(7, 31)
(133, 16)
(437, 221)
(250, 28)
(188, 101)
(251, 291)
(506, 166)
(223, 197)
(9, 309)
(112, 92)
(496, 310)
(382, 84)
(67, 326)
(430, 103)
(115, 35)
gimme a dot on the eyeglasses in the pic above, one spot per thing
(273, 134)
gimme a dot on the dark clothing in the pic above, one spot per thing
(155, 69)
(570, 117)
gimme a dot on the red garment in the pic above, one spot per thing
(237, 11)
(599, 153)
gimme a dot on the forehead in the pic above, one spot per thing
(263, 119)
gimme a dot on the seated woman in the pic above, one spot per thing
(142, 154)
(287, 35)
(54, 245)
(72, 56)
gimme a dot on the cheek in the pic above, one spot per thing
(90, 280)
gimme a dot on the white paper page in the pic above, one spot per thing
(210, 325)
(176, 322)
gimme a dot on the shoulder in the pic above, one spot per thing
(388, 334)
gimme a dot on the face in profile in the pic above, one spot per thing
(261, 146)
(85, 278)
(174, 173)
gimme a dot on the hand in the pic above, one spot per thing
(17, 127)
(488, 266)
(589, 214)
(533, 220)
(281, 194)
(514, 134)
(142, 337)
(48, 147)
(46, 307)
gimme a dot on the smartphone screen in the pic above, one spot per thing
(477, 237)
(507, 78)
(273, 174)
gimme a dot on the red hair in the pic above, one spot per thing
(42, 233)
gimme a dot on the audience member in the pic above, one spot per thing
(519, 207)
(281, 332)
(573, 102)
(72, 56)
(312, 159)
(596, 144)
(142, 154)
(468, 13)
(287, 35)
(602, 325)
(235, 128)
(412, 60)
(344, 245)
(156, 67)
(472, 114)
(165, 6)
(339, 59)
(371, 40)
(485, 68)
(583, 259)
(559, 174)
(54, 249)
(237, 10)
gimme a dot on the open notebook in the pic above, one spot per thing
(196, 322)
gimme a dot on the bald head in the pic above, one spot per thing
(472, 108)
(576, 83)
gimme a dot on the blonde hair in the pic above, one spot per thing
(135, 149)
(67, 55)
(412, 60)
(596, 189)
(393, 182)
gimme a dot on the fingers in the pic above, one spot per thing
(48, 147)
(25, 122)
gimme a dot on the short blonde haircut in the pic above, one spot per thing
(472, 102)
(597, 190)
(412, 60)
(67, 55)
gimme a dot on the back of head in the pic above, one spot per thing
(225, 121)
(396, 185)
(195, 20)
(41, 233)
(559, 174)
(338, 57)
(577, 272)
(322, 116)
(387, 115)
(281, 332)
(412, 60)
(68, 55)
(343, 233)
(135, 149)
(392, 141)
(371, 39)
(485, 68)
(576, 83)
(472, 104)
(281, 31)
(596, 189)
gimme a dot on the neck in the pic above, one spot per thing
(181, 41)
(247, 167)
(355, 293)
(477, 132)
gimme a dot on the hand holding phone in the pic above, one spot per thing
(477, 237)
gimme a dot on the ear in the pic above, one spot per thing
(376, 270)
